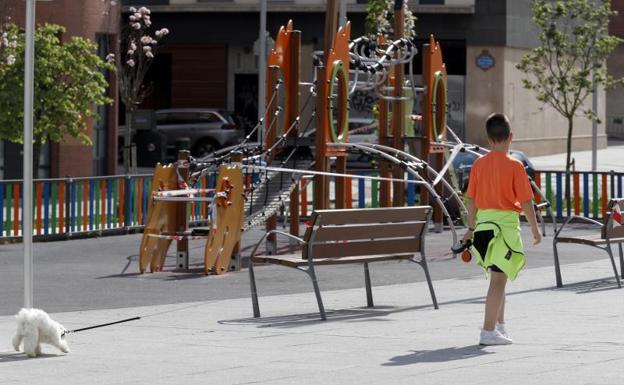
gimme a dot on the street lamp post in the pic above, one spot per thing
(27, 219)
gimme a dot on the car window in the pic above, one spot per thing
(188, 117)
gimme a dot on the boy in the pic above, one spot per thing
(498, 191)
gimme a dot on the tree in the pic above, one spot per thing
(138, 48)
(570, 61)
(68, 85)
(380, 22)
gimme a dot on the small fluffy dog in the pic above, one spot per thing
(34, 327)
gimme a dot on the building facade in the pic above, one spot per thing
(92, 19)
(615, 97)
(211, 60)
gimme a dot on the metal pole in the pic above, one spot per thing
(594, 127)
(262, 68)
(27, 225)
(342, 13)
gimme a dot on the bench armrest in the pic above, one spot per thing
(298, 239)
(588, 220)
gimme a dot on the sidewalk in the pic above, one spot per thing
(608, 159)
(562, 336)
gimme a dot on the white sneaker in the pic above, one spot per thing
(502, 330)
(493, 337)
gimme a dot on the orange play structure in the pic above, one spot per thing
(167, 220)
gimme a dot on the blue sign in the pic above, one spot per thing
(485, 61)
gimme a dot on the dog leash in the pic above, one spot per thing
(100, 325)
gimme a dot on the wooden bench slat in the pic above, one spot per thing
(296, 261)
(377, 215)
(348, 249)
(369, 231)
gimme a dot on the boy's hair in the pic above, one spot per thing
(497, 127)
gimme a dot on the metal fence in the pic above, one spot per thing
(68, 206)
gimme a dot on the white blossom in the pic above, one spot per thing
(110, 58)
(13, 44)
(113, 3)
(138, 15)
(136, 25)
(147, 22)
(132, 18)
(10, 60)
(130, 63)
(161, 32)
(149, 54)
(130, 52)
(145, 10)
(147, 48)
(4, 41)
(132, 9)
(146, 39)
(133, 46)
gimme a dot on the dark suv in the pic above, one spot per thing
(208, 129)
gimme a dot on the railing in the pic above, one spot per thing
(66, 207)
(590, 191)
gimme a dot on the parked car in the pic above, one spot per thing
(464, 160)
(207, 129)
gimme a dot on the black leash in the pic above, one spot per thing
(101, 325)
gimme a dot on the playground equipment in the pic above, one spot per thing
(259, 179)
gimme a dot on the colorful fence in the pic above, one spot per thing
(62, 207)
(590, 191)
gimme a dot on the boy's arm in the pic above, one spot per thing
(472, 215)
(529, 212)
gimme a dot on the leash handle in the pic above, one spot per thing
(102, 325)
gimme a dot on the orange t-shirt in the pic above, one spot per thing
(497, 181)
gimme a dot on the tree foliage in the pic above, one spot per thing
(68, 85)
(570, 61)
(574, 45)
(380, 19)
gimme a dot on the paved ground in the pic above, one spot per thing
(562, 336)
(609, 158)
(102, 273)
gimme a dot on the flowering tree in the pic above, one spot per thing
(380, 22)
(68, 84)
(138, 47)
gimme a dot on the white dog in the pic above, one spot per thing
(34, 327)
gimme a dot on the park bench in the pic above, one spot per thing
(360, 236)
(611, 233)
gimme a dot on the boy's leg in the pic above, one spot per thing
(494, 300)
(501, 312)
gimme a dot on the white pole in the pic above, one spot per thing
(342, 13)
(27, 225)
(262, 69)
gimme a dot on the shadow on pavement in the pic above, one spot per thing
(21, 356)
(591, 286)
(438, 355)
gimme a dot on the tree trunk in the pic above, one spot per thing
(568, 164)
(127, 158)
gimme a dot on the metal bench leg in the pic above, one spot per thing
(254, 292)
(423, 263)
(557, 267)
(317, 292)
(617, 276)
(369, 290)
